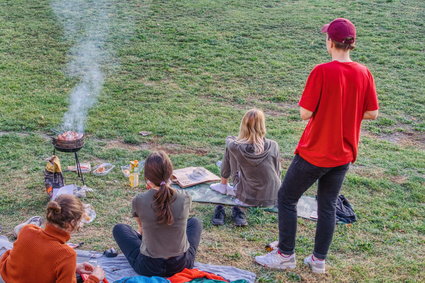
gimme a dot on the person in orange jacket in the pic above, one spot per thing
(42, 255)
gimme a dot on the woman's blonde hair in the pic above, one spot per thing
(253, 129)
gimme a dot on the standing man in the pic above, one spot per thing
(338, 95)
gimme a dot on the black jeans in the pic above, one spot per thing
(300, 176)
(129, 242)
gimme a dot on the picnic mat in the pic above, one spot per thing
(118, 267)
(306, 208)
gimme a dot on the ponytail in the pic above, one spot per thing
(162, 204)
(158, 169)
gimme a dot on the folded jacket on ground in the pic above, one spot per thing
(187, 275)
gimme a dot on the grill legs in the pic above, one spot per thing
(79, 172)
(77, 161)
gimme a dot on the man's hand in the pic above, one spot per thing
(370, 115)
(305, 114)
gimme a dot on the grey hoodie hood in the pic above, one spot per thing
(248, 152)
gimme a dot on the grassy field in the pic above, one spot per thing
(187, 72)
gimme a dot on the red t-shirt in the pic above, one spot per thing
(338, 94)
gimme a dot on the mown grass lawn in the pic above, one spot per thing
(187, 72)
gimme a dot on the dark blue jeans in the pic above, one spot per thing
(300, 176)
(129, 242)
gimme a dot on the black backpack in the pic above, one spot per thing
(344, 212)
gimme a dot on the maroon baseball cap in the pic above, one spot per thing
(341, 30)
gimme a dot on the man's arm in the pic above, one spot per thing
(370, 115)
(305, 114)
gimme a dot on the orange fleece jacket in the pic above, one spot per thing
(41, 255)
(187, 275)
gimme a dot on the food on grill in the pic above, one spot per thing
(69, 141)
(69, 136)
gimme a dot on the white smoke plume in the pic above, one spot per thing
(87, 25)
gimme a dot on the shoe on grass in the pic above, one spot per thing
(316, 265)
(276, 261)
(219, 215)
(36, 220)
(239, 217)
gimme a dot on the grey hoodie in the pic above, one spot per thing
(256, 177)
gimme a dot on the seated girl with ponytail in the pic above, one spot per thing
(42, 255)
(167, 239)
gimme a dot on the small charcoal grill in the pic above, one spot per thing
(70, 142)
(72, 145)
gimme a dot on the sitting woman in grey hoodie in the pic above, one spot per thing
(253, 164)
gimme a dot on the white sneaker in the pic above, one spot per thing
(220, 188)
(317, 266)
(276, 261)
(231, 191)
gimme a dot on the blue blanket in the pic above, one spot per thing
(117, 268)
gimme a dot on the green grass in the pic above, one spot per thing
(187, 72)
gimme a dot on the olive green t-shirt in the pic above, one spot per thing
(162, 240)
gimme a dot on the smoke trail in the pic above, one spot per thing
(87, 24)
(87, 68)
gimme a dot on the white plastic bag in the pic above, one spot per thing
(72, 189)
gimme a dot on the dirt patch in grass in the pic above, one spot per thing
(398, 179)
(25, 134)
(164, 82)
(368, 172)
(278, 109)
(121, 145)
(276, 113)
(169, 148)
(376, 173)
(411, 138)
(176, 149)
